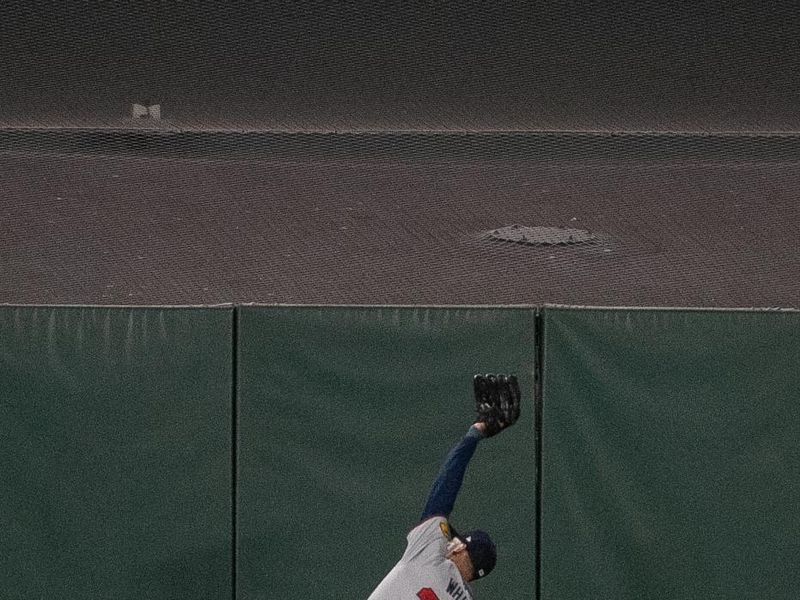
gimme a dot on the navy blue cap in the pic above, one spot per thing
(482, 552)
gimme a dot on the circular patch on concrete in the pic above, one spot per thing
(535, 236)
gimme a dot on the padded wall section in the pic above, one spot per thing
(345, 415)
(671, 463)
(115, 471)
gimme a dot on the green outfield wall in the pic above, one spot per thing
(345, 415)
(115, 438)
(284, 452)
(670, 455)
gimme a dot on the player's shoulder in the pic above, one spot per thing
(428, 540)
(431, 529)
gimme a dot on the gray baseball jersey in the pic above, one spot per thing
(423, 572)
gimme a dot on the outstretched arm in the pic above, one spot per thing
(442, 497)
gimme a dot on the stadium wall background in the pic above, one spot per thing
(284, 452)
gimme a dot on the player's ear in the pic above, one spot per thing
(455, 546)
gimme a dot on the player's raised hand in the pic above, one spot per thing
(497, 401)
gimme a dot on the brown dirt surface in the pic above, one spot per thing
(164, 231)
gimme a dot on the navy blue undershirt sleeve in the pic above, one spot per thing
(442, 497)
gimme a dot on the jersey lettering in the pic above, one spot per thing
(455, 590)
(427, 594)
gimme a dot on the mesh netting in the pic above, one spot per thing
(318, 152)
(640, 65)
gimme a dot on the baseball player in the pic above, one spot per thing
(439, 563)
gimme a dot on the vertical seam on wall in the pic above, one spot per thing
(538, 413)
(234, 447)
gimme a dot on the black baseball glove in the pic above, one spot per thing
(497, 400)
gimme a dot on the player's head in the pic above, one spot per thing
(474, 554)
